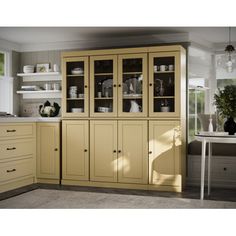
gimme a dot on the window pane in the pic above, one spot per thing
(2, 62)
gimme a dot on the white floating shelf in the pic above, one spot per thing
(40, 94)
(46, 76)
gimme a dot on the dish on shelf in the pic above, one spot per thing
(30, 88)
(28, 69)
(107, 88)
(132, 95)
(75, 110)
(104, 109)
(77, 71)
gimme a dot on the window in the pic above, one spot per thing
(2, 64)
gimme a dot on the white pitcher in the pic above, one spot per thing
(134, 106)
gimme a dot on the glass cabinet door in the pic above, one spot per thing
(132, 87)
(103, 88)
(164, 84)
(75, 87)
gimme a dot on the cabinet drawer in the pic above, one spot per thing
(16, 130)
(16, 169)
(16, 148)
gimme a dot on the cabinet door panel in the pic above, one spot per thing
(103, 86)
(75, 150)
(48, 150)
(75, 87)
(164, 84)
(133, 152)
(164, 146)
(103, 151)
(132, 89)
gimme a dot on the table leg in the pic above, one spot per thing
(209, 167)
(203, 168)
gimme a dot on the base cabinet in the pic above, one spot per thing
(132, 152)
(103, 151)
(75, 152)
(48, 152)
(119, 151)
(164, 153)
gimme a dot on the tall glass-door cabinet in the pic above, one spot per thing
(103, 86)
(75, 87)
(132, 85)
(164, 84)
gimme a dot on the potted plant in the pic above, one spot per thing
(225, 101)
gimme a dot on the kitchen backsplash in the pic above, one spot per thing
(32, 108)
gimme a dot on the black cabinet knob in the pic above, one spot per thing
(150, 152)
(56, 149)
(150, 84)
(119, 85)
(85, 86)
(114, 151)
(114, 85)
(119, 151)
(85, 150)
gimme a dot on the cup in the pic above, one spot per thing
(56, 86)
(163, 67)
(55, 68)
(99, 94)
(155, 68)
(47, 86)
(171, 67)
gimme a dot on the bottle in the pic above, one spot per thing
(210, 127)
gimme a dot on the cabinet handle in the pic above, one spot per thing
(114, 151)
(150, 152)
(11, 130)
(13, 148)
(119, 151)
(150, 84)
(114, 85)
(8, 171)
(56, 149)
(85, 150)
(119, 85)
(85, 86)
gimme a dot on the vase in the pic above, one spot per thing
(230, 126)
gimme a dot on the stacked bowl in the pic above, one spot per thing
(28, 69)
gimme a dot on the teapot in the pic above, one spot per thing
(134, 106)
(47, 110)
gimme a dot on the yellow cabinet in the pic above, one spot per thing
(48, 151)
(132, 87)
(75, 90)
(164, 153)
(75, 151)
(164, 84)
(103, 86)
(132, 152)
(103, 151)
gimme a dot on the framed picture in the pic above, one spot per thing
(42, 67)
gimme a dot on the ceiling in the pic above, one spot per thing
(59, 38)
(24, 35)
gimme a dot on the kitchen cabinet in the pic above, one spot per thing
(132, 152)
(132, 93)
(125, 161)
(132, 87)
(165, 153)
(103, 87)
(17, 155)
(48, 152)
(75, 85)
(103, 150)
(164, 84)
(75, 151)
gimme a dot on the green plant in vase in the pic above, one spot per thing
(225, 101)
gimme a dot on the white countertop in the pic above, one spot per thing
(29, 119)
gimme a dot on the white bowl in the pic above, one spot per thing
(74, 110)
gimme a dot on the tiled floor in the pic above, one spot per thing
(53, 196)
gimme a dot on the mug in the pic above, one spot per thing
(163, 67)
(171, 67)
